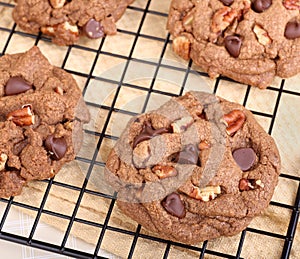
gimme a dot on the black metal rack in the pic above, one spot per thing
(62, 249)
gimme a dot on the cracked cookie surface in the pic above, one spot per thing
(250, 41)
(64, 20)
(159, 168)
(41, 117)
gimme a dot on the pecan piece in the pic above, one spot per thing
(57, 3)
(66, 26)
(244, 184)
(164, 171)
(182, 124)
(69, 125)
(223, 18)
(182, 47)
(23, 116)
(72, 28)
(262, 35)
(292, 4)
(49, 30)
(205, 194)
(188, 19)
(259, 183)
(3, 159)
(59, 90)
(250, 184)
(203, 145)
(234, 121)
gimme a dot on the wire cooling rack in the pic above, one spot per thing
(146, 13)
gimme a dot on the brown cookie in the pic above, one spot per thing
(197, 168)
(248, 41)
(41, 118)
(66, 20)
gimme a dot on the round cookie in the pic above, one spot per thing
(66, 20)
(248, 41)
(41, 117)
(197, 168)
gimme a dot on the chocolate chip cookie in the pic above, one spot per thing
(41, 117)
(197, 168)
(66, 20)
(250, 41)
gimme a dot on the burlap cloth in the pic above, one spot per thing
(93, 208)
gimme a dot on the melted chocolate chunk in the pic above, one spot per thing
(292, 30)
(261, 5)
(227, 2)
(189, 155)
(244, 157)
(233, 45)
(93, 29)
(174, 205)
(57, 147)
(148, 133)
(16, 85)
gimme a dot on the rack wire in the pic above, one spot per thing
(143, 10)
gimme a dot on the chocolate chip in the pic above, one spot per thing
(292, 30)
(148, 133)
(174, 205)
(93, 29)
(244, 157)
(16, 85)
(189, 155)
(227, 2)
(57, 147)
(261, 5)
(233, 45)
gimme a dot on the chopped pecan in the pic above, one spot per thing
(49, 30)
(292, 4)
(262, 35)
(250, 184)
(164, 171)
(66, 26)
(223, 18)
(244, 185)
(188, 19)
(234, 120)
(182, 47)
(57, 3)
(205, 194)
(182, 124)
(23, 116)
(3, 159)
(69, 125)
(72, 28)
(59, 90)
(259, 183)
(203, 145)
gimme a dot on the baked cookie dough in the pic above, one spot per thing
(66, 20)
(197, 168)
(248, 41)
(41, 117)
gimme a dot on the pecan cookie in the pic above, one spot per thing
(197, 168)
(41, 118)
(66, 20)
(250, 41)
